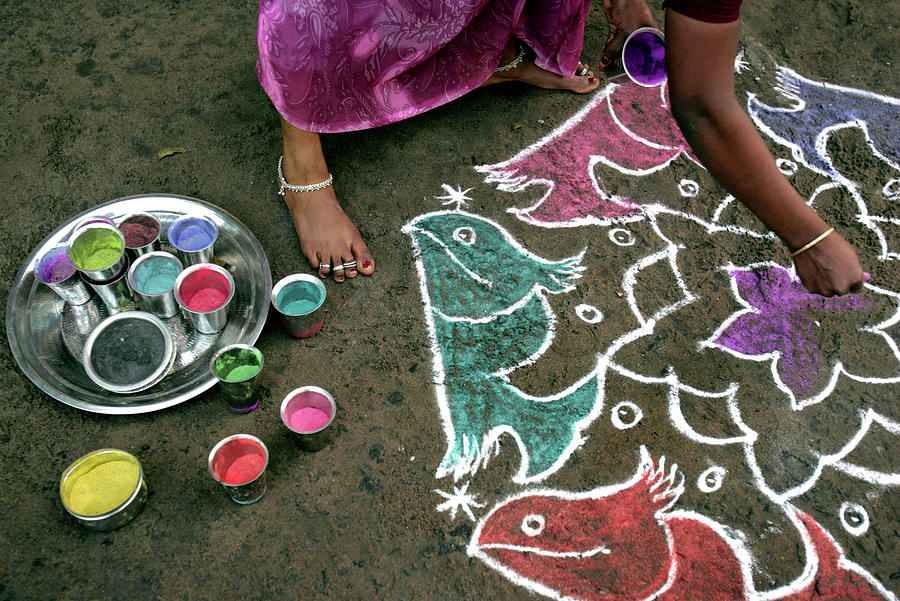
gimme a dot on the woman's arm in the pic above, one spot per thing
(700, 66)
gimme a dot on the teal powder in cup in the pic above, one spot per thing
(156, 275)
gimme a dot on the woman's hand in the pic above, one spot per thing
(831, 267)
(624, 16)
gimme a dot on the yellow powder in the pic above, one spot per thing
(104, 487)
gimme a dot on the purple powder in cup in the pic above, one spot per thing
(55, 266)
(645, 58)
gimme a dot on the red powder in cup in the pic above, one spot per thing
(207, 299)
(308, 419)
(244, 469)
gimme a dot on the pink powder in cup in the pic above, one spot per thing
(307, 412)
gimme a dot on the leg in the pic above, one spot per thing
(327, 236)
(530, 73)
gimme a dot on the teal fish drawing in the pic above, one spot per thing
(486, 306)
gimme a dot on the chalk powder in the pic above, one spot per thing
(96, 249)
(244, 469)
(55, 267)
(103, 488)
(156, 275)
(241, 373)
(139, 231)
(194, 235)
(308, 419)
(206, 299)
(128, 351)
(645, 56)
(299, 298)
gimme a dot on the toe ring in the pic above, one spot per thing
(349, 265)
(324, 266)
(582, 71)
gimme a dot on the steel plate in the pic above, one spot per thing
(47, 335)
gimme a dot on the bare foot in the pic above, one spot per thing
(328, 237)
(530, 73)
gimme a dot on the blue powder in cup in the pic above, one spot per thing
(156, 275)
(192, 234)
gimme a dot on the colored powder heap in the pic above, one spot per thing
(194, 237)
(645, 57)
(241, 373)
(96, 249)
(299, 299)
(300, 307)
(56, 268)
(139, 231)
(207, 299)
(244, 469)
(104, 487)
(308, 419)
(156, 276)
(128, 351)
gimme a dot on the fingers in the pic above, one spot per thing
(613, 47)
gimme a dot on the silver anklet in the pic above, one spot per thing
(310, 188)
(515, 62)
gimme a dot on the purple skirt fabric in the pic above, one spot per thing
(344, 65)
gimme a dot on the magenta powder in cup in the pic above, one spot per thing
(139, 230)
(204, 290)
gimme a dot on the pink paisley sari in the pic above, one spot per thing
(343, 65)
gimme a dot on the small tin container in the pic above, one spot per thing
(98, 251)
(238, 463)
(300, 299)
(55, 269)
(151, 278)
(204, 291)
(642, 60)
(115, 293)
(104, 489)
(193, 239)
(308, 412)
(141, 232)
(129, 352)
(237, 368)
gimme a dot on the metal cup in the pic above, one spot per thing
(237, 368)
(141, 232)
(152, 279)
(238, 463)
(90, 221)
(193, 239)
(307, 412)
(642, 61)
(115, 293)
(55, 269)
(98, 251)
(204, 292)
(104, 489)
(300, 298)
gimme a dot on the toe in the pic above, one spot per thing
(324, 268)
(350, 269)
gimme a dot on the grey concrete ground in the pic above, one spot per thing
(93, 90)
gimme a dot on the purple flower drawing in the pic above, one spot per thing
(807, 336)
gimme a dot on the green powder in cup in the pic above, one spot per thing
(241, 373)
(96, 249)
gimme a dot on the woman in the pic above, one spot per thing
(332, 66)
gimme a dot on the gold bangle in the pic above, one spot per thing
(812, 242)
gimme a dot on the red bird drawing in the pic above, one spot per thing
(623, 543)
